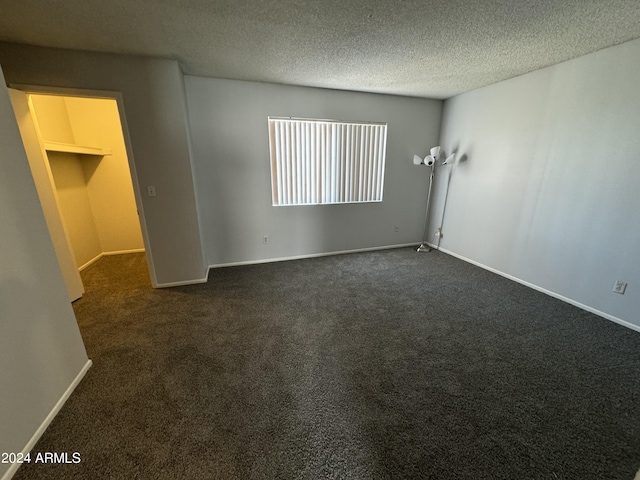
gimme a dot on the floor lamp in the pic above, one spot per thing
(430, 161)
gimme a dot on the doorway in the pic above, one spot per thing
(87, 177)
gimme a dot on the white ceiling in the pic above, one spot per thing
(429, 48)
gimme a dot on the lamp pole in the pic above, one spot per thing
(423, 246)
(430, 161)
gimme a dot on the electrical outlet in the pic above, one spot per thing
(620, 287)
(395, 228)
(151, 191)
(265, 239)
(438, 232)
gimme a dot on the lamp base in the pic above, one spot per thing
(424, 248)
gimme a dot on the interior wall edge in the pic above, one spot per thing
(198, 207)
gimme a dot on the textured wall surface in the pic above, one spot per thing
(232, 170)
(432, 49)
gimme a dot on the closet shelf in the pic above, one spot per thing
(71, 148)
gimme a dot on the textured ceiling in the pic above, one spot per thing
(434, 49)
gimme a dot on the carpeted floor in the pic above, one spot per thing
(381, 365)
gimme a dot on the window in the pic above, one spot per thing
(324, 161)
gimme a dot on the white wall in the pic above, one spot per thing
(95, 122)
(53, 118)
(550, 189)
(155, 112)
(228, 121)
(75, 206)
(95, 194)
(67, 170)
(41, 351)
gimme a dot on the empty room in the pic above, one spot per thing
(320, 240)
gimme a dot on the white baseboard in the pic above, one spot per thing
(311, 255)
(49, 418)
(575, 303)
(280, 259)
(90, 262)
(124, 252)
(184, 282)
(117, 252)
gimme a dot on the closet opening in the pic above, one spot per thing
(80, 158)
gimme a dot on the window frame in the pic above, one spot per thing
(326, 162)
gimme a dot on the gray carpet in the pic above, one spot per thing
(382, 365)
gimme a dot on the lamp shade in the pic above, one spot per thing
(435, 151)
(417, 160)
(450, 159)
(429, 160)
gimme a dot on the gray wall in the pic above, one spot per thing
(551, 185)
(41, 352)
(155, 111)
(233, 182)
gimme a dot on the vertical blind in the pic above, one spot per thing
(323, 161)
